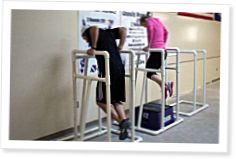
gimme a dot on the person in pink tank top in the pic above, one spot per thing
(157, 38)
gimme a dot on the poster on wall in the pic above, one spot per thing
(136, 35)
(102, 19)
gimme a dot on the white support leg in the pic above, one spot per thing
(108, 97)
(142, 100)
(76, 103)
(163, 127)
(194, 102)
(194, 80)
(137, 65)
(83, 103)
(177, 84)
(204, 78)
(100, 130)
(132, 96)
(100, 120)
(163, 100)
(146, 86)
(132, 79)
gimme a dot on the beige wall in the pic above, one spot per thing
(190, 33)
(41, 79)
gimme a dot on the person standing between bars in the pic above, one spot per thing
(105, 40)
(157, 38)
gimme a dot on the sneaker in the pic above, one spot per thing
(124, 125)
(123, 134)
(170, 86)
(166, 90)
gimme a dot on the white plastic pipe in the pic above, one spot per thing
(195, 80)
(176, 51)
(84, 110)
(108, 95)
(162, 84)
(82, 54)
(132, 90)
(146, 86)
(83, 101)
(76, 106)
(163, 103)
(142, 99)
(132, 103)
(194, 52)
(178, 120)
(204, 52)
(177, 83)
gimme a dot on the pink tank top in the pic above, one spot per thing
(157, 33)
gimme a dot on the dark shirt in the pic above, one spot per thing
(107, 42)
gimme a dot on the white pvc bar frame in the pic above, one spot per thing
(100, 130)
(162, 71)
(194, 102)
(139, 53)
(95, 131)
(76, 54)
(132, 94)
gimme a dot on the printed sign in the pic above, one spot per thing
(102, 19)
(136, 35)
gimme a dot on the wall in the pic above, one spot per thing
(190, 33)
(41, 77)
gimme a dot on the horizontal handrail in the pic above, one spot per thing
(148, 70)
(189, 52)
(128, 52)
(83, 53)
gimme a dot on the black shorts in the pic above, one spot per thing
(117, 80)
(154, 62)
(117, 90)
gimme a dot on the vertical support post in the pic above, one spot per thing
(177, 83)
(166, 72)
(87, 83)
(137, 66)
(83, 109)
(76, 104)
(99, 120)
(108, 97)
(163, 89)
(146, 86)
(204, 77)
(132, 95)
(195, 80)
(142, 100)
(166, 63)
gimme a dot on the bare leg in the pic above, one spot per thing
(114, 114)
(157, 79)
(168, 85)
(120, 111)
(123, 124)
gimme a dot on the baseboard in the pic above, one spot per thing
(213, 81)
(65, 132)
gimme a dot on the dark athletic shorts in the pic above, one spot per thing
(117, 88)
(154, 62)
